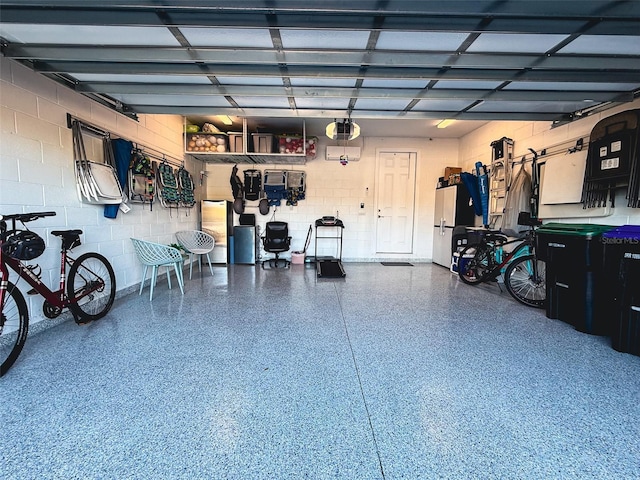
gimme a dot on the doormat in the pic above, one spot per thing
(397, 264)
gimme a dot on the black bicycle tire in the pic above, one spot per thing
(14, 300)
(465, 267)
(79, 309)
(523, 292)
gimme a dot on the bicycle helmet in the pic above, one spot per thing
(22, 244)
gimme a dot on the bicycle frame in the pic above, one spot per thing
(517, 251)
(56, 298)
(497, 269)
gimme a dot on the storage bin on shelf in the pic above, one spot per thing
(294, 144)
(235, 142)
(206, 142)
(262, 142)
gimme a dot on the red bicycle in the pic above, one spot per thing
(88, 290)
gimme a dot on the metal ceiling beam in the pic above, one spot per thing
(539, 8)
(133, 68)
(373, 114)
(124, 88)
(613, 18)
(328, 57)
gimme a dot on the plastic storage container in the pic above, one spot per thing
(206, 142)
(622, 278)
(459, 238)
(295, 144)
(262, 142)
(235, 142)
(574, 274)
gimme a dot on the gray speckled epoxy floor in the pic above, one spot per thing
(390, 373)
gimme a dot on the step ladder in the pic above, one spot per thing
(499, 180)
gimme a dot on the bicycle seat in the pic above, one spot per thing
(70, 238)
(66, 233)
(496, 237)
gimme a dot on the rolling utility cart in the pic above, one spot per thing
(329, 267)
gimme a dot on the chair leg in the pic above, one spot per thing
(144, 277)
(154, 276)
(200, 264)
(177, 267)
(167, 268)
(190, 264)
(210, 267)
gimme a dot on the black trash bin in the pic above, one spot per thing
(622, 277)
(574, 274)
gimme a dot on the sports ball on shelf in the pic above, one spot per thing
(294, 145)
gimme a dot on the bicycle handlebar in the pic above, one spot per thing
(27, 217)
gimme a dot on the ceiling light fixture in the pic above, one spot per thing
(345, 130)
(445, 123)
(225, 119)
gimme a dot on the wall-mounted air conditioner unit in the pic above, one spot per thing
(334, 153)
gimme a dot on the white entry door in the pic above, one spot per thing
(395, 202)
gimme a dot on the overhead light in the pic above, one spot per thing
(345, 130)
(225, 119)
(445, 123)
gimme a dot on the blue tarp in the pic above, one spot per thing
(122, 155)
(471, 182)
(483, 186)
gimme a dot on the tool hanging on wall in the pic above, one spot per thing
(535, 184)
(499, 179)
(613, 161)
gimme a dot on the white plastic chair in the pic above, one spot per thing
(196, 242)
(158, 255)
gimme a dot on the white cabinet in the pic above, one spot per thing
(452, 208)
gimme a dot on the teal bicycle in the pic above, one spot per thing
(523, 272)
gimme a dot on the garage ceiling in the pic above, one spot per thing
(418, 61)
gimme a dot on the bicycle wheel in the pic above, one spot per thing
(14, 325)
(526, 283)
(91, 287)
(475, 263)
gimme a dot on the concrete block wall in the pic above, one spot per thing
(37, 173)
(475, 147)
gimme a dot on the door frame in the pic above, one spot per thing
(380, 150)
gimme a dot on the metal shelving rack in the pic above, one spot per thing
(251, 157)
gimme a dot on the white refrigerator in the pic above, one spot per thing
(452, 208)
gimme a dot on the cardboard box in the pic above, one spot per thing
(451, 171)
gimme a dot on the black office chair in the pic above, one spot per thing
(276, 240)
